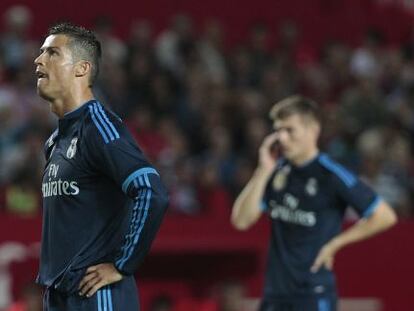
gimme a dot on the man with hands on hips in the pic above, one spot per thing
(103, 202)
(305, 193)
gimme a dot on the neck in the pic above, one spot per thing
(74, 100)
(306, 157)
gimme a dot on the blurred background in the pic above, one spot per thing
(194, 82)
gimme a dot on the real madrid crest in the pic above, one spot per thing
(311, 187)
(70, 153)
(279, 181)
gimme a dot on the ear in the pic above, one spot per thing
(82, 68)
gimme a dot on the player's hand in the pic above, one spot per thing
(325, 258)
(267, 158)
(97, 277)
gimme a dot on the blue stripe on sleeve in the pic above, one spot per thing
(134, 226)
(148, 199)
(138, 233)
(323, 305)
(105, 117)
(346, 176)
(147, 182)
(135, 214)
(139, 205)
(136, 217)
(110, 299)
(137, 173)
(105, 302)
(135, 241)
(99, 297)
(372, 207)
(100, 119)
(97, 125)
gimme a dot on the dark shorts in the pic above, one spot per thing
(308, 303)
(118, 296)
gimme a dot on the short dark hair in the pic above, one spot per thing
(83, 44)
(295, 104)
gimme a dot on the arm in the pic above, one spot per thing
(121, 160)
(381, 219)
(150, 200)
(150, 203)
(246, 209)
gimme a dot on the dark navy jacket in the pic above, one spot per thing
(102, 200)
(306, 206)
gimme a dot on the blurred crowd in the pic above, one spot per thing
(199, 107)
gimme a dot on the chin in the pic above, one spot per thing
(43, 94)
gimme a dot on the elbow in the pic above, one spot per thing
(160, 193)
(387, 215)
(159, 204)
(243, 219)
(164, 201)
(162, 197)
(391, 216)
(392, 219)
(240, 224)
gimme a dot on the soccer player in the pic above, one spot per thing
(305, 193)
(102, 201)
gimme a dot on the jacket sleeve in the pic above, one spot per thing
(113, 152)
(149, 204)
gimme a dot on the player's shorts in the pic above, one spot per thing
(307, 303)
(122, 295)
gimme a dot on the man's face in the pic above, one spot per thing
(54, 68)
(297, 136)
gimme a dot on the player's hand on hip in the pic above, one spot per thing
(325, 258)
(267, 158)
(97, 277)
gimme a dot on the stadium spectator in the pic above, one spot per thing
(194, 97)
